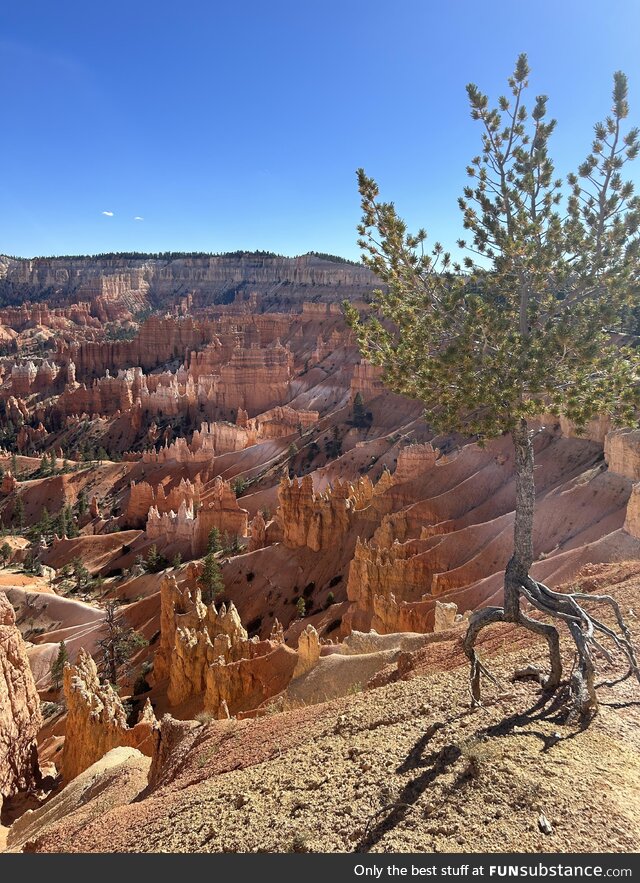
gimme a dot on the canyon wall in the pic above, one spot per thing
(188, 532)
(113, 283)
(144, 496)
(319, 520)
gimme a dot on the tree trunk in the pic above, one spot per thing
(516, 576)
(568, 607)
(520, 563)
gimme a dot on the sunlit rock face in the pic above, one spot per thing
(206, 654)
(20, 717)
(96, 719)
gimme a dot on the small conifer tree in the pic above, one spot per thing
(211, 582)
(58, 664)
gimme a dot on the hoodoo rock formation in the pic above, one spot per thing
(20, 717)
(622, 452)
(96, 719)
(318, 520)
(143, 497)
(217, 507)
(206, 655)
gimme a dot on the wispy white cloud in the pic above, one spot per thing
(138, 218)
(108, 214)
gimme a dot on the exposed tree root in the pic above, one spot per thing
(582, 625)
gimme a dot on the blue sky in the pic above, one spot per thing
(240, 126)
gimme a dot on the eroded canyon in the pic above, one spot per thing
(244, 542)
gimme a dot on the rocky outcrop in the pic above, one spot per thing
(255, 379)
(178, 451)
(222, 437)
(622, 452)
(282, 421)
(206, 653)
(366, 380)
(257, 533)
(319, 520)
(632, 521)
(30, 435)
(23, 378)
(308, 651)
(9, 483)
(218, 507)
(377, 574)
(596, 430)
(173, 528)
(96, 719)
(413, 460)
(29, 315)
(20, 717)
(326, 346)
(143, 496)
(315, 311)
(159, 340)
(446, 616)
(243, 685)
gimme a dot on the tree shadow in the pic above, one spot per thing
(632, 703)
(437, 763)
(550, 708)
(547, 708)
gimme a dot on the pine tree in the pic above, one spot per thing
(5, 553)
(81, 575)
(58, 664)
(239, 485)
(72, 527)
(214, 543)
(301, 608)
(61, 523)
(81, 504)
(211, 582)
(359, 416)
(522, 327)
(43, 528)
(118, 642)
(18, 513)
(155, 561)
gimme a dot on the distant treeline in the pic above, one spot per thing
(178, 255)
